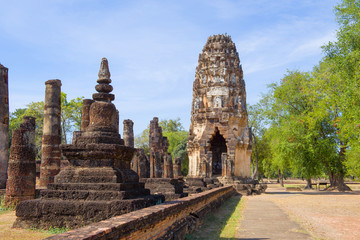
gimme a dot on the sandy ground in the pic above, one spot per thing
(7, 232)
(325, 215)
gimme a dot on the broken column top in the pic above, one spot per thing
(103, 87)
(3, 67)
(54, 82)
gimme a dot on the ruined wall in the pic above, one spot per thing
(158, 146)
(20, 185)
(4, 125)
(166, 221)
(51, 139)
(219, 122)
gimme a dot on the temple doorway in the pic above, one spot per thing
(217, 146)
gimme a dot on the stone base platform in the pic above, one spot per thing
(196, 185)
(244, 186)
(81, 196)
(46, 213)
(171, 188)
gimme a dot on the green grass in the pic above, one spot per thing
(229, 231)
(222, 223)
(295, 185)
(51, 230)
(4, 208)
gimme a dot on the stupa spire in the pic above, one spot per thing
(103, 87)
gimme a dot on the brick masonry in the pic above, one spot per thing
(171, 220)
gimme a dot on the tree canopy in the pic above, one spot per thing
(70, 119)
(312, 119)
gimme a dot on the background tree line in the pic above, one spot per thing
(177, 136)
(308, 124)
(70, 119)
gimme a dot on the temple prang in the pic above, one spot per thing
(219, 143)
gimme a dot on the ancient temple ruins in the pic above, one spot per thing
(219, 138)
(98, 183)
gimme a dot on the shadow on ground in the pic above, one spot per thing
(242, 238)
(216, 221)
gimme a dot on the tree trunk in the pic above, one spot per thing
(308, 183)
(336, 177)
(255, 171)
(63, 131)
(281, 179)
(337, 182)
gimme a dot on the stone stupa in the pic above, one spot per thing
(98, 183)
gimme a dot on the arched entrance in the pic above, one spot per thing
(217, 146)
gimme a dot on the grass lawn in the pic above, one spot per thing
(222, 223)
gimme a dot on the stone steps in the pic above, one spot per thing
(93, 195)
(95, 186)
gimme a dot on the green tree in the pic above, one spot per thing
(70, 115)
(142, 140)
(70, 118)
(341, 71)
(181, 152)
(172, 129)
(257, 122)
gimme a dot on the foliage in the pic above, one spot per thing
(70, 115)
(142, 140)
(181, 152)
(70, 119)
(177, 137)
(312, 119)
(5, 208)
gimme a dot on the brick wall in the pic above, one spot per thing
(170, 220)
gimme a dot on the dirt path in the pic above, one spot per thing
(263, 219)
(326, 215)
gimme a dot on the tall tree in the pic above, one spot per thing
(340, 70)
(171, 128)
(70, 118)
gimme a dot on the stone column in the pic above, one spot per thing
(22, 167)
(128, 133)
(139, 163)
(168, 167)
(177, 168)
(156, 149)
(85, 117)
(4, 125)
(51, 139)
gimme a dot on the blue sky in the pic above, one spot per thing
(153, 47)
